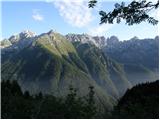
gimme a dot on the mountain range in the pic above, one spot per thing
(51, 62)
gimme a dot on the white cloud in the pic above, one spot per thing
(37, 16)
(75, 13)
(79, 15)
(100, 30)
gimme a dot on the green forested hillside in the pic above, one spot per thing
(51, 63)
(105, 71)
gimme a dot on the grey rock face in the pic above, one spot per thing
(18, 42)
(98, 41)
(112, 40)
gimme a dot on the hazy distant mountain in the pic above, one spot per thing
(135, 51)
(139, 57)
(51, 63)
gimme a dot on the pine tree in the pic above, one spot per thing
(90, 107)
(26, 95)
(16, 89)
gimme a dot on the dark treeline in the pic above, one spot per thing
(16, 104)
(142, 101)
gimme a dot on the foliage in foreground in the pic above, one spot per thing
(142, 101)
(133, 13)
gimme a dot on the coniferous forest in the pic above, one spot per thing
(141, 101)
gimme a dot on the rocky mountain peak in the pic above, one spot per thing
(99, 41)
(134, 38)
(157, 38)
(18, 41)
(27, 34)
(112, 40)
(84, 38)
(50, 32)
(5, 43)
(24, 35)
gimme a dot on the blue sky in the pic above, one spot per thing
(67, 16)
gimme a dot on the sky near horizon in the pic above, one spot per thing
(67, 16)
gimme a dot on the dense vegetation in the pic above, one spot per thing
(16, 104)
(142, 101)
(139, 102)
